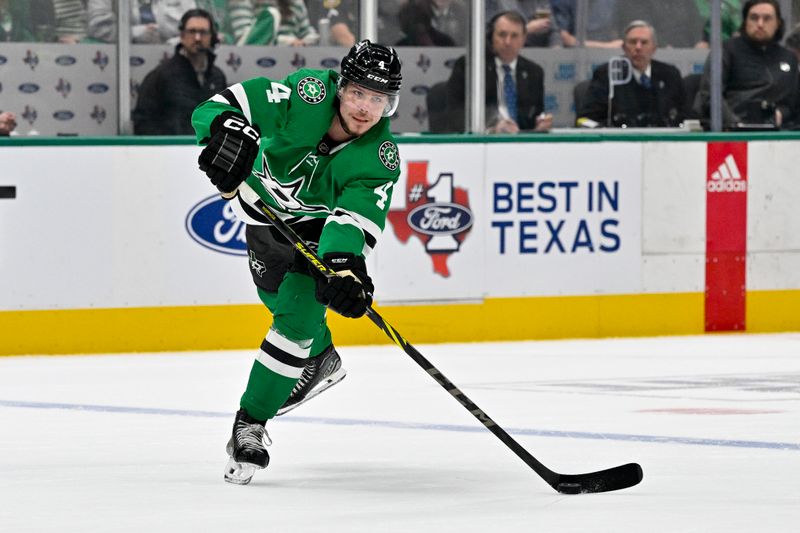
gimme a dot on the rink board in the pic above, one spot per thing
(113, 245)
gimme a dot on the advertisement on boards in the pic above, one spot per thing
(432, 246)
(726, 236)
(563, 219)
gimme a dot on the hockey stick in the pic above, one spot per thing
(616, 478)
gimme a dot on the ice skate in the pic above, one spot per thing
(320, 373)
(246, 448)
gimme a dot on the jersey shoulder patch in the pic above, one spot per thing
(389, 155)
(311, 90)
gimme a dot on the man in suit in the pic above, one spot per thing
(514, 85)
(654, 97)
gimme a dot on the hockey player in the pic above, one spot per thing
(316, 147)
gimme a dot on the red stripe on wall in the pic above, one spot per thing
(726, 236)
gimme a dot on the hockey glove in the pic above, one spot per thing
(228, 157)
(349, 293)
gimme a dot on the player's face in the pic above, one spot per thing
(507, 39)
(639, 47)
(761, 23)
(196, 35)
(361, 108)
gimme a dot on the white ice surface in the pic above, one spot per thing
(136, 442)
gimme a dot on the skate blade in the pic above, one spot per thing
(324, 385)
(239, 473)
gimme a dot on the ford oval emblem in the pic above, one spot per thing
(98, 88)
(65, 61)
(63, 115)
(213, 224)
(28, 88)
(137, 61)
(330, 62)
(420, 89)
(266, 62)
(440, 218)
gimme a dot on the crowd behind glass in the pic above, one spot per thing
(652, 93)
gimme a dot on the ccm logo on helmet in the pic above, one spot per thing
(377, 78)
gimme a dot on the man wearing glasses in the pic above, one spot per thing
(759, 76)
(171, 91)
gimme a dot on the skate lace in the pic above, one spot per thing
(252, 435)
(309, 371)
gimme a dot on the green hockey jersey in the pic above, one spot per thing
(350, 185)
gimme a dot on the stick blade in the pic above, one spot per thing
(617, 478)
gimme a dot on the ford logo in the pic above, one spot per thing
(420, 89)
(28, 88)
(213, 224)
(3, 60)
(98, 88)
(266, 62)
(65, 61)
(137, 61)
(63, 115)
(330, 62)
(440, 218)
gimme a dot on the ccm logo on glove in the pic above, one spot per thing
(228, 157)
(349, 292)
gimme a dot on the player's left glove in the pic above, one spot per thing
(228, 157)
(349, 293)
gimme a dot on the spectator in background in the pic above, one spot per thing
(677, 22)
(730, 12)
(62, 21)
(450, 17)
(514, 85)
(239, 23)
(759, 76)
(388, 25)
(152, 21)
(24, 21)
(416, 18)
(71, 21)
(540, 29)
(341, 17)
(654, 97)
(295, 28)
(169, 93)
(601, 27)
(8, 122)
(793, 41)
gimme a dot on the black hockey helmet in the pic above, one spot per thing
(375, 67)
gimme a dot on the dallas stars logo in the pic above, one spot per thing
(389, 155)
(286, 195)
(311, 90)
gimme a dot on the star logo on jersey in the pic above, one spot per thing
(437, 214)
(256, 265)
(389, 155)
(286, 195)
(311, 90)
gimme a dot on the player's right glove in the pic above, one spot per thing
(228, 157)
(350, 292)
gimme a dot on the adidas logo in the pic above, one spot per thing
(727, 178)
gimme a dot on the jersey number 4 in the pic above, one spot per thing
(278, 92)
